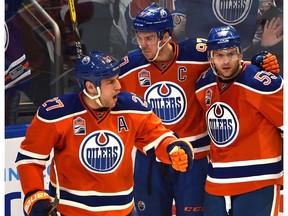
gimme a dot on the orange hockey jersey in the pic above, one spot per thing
(92, 152)
(170, 88)
(244, 120)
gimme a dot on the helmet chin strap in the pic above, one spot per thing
(96, 97)
(159, 48)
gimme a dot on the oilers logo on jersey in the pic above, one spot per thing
(101, 151)
(223, 125)
(168, 101)
(231, 12)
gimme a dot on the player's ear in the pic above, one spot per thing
(166, 35)
(90, 88)
(165, 38)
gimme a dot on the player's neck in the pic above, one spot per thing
(91, 103)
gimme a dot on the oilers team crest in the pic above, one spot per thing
(168, 101)
(223, 125)
(101, 151)
(231, 12)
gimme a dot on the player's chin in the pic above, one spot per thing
(226, 72)
(147, 55)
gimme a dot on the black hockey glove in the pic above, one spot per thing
(38, 204)
(181, 154)
(266, 61)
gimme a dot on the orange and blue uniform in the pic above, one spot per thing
(170, 89)
(92, 152)
(244, 119)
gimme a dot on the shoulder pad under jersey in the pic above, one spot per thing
(193, 49)
(60, 107)
(129, 101)
(259, 80)
(133, 60)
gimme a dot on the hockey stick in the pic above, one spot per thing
(57, 197)
(75, 28)
(78, 45)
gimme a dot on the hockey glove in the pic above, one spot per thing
(266, 61)
(181, 154)
(39, 204)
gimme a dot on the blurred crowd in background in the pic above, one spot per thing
(40, 47)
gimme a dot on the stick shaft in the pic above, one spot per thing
(75, 28)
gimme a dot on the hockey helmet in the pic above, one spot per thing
(154, 19)
(223, 37)
(94, 67)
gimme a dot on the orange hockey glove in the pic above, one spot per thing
(266, 61)
(38, 203)
(181, 155)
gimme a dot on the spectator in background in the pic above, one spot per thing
(95, 32)
(16, 65)
(202, 15)
(269, 34)
(97, 27)
(247, 17)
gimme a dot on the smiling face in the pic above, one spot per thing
(226, 61)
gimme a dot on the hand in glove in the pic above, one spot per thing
(39, 204)
(181, 154)
(266, 61)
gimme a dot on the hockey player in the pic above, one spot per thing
(244, 114)
(92, 134)
(165, 74)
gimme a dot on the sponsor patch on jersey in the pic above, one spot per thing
(101, 151)
(168, 101)
(222, 123)
(79, 125)
(144, 78)
(231, 12)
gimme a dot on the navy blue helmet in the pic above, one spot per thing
(223, 37)
(154, 19)
(94, 67)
